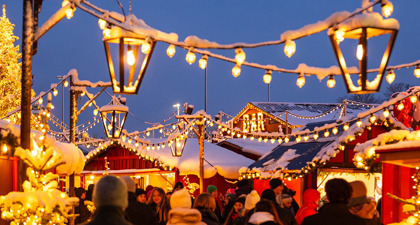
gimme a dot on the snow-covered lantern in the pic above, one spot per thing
(128, 54)
(363, 27)
(178, 145)
(113, 117)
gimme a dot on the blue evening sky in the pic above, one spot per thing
(77, 43)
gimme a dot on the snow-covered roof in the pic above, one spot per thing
(278, 109)
(71, 154)
(295, 156)
(223, 161)
(253, 147)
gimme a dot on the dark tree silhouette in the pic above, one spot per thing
(395, 87)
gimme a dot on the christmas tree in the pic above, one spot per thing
(10, 71)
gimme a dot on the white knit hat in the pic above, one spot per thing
(181, 198)
(252, 199)
(110, 191)
(129, 183)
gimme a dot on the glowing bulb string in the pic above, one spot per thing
(317, 116)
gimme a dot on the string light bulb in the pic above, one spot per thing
(190, 56)
(372, 118)
(339, 36)
(286, 139)
(359, 52)
(203, 62)
(331, 81)
(413, 99)
(107, 33)
(131, 59)
(66, 83)
(326, 133)
(359, 123)
(267, 77)
(346, 126)
(40, 101)
(69, 11)
(387, 9)
(95, 112)
(240, 56)
(386, 113)
(335, 130)
(301, 80)
(170, 51)
(400, 106)
(55, 92)
(390, 77)
(289, 48)
(236, 70)
(146, 46)
(298, 139)
(102, 24)
(316, 136)
(306, 137)
(417, 71)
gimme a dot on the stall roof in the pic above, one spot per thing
(216, 159)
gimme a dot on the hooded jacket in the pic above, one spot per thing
(259, 218)
(309, 206)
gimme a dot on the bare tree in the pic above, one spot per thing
(395, 87)
(366, 98)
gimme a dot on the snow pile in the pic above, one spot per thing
(282, 162)
(254, 147)
(200, 43)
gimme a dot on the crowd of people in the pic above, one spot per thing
(118, 201)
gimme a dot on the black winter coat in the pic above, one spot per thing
(139, 213)
(82, 210)
(108, 215)
(286, 217)
(209, 217)
(333, 214)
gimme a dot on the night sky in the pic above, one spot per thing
(77, 43)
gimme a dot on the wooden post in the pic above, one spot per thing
(200, 125)
(72, 134)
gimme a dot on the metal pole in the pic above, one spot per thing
(205, 89)
(345, 107)
(287, 121)
(27, 36)
(268, 92)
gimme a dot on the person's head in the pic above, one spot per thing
(169, 194)
(148, 190)
(80, 192)
(251, 200)
(205, 201)
(268, 194)
(157, 196)
(141, 195)
(311, 198)
(129, 183)
(239, 204)
(277, 186)
(338, 190)
(211, 189)
(286, 200)
(181, 199)
(242, 184)
(359, 194)
(110, 191)
(267, 206)
(90, 187)
(178, 186)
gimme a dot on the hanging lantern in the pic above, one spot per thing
(362, 31)
(129, 59)
(113, 118)
(178, 146)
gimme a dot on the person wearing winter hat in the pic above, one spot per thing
(243, 188)
(360, 205)
(285, 216)
(181, 212)
(141, 195)
(310, 204)
(178, 186)
(205, 203)
(81, 209)
(335, 212)
(211, 189)
(137, 213)
(250, 201)
(110, 199)
(277, 186)
(236, 211)
(287, 203)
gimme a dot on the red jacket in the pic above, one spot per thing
(309, 206)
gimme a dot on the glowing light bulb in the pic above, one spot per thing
(372, 118)
(316, 136)
(326, 133)
(240, 56)
(289, 48)
(301, 80)
(359, 52)
(390, 77)
(339, 36)
(267, 77)
(417, 71)
(131, 59)
(107, 33)
(170, 51)
(413, 98)
(331, 81)
(335, 130)
(146, 46)
(40, 100)
(280, 140)
(55, 92)
(298, 139)
(386, 112)
(4, 149)
(102, 24)
(400, 106)
(190, 57)
(286, 139)
(306, 137)
(236, 70)
(82, 94)
(346, 126)
(387, 9)
(66, 83)
(203, 62)
(69, 11)
(359, 123)
(109, 126)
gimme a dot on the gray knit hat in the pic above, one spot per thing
(110, 191)
(129, 183)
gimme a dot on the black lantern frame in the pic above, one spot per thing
(127, 41)
(363, 33)
(176, 149)
(116, 121)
